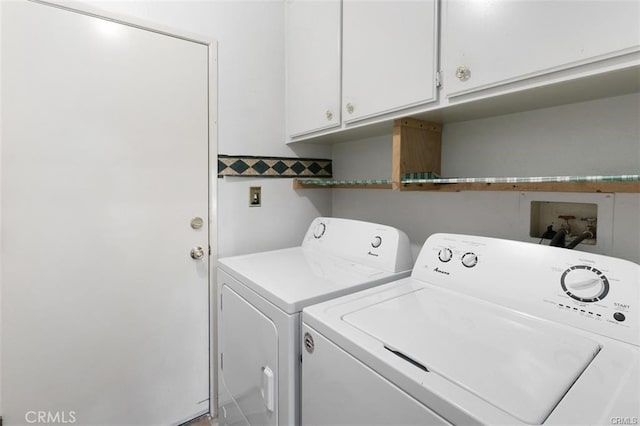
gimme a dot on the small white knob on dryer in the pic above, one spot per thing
(319, 229)
(469, 259)
(376, 242)
(445, 255)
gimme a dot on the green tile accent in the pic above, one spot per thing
(280, 167)
(314, 168)
(297, 167)
(260, 167)
(239, 166)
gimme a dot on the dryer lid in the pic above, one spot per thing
(294, 278)
(517, 363)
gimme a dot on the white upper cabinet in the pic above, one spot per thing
(313, 65)
(389, 56)
(355, 59)
(490, 43)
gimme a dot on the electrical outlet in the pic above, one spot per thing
(255, 196)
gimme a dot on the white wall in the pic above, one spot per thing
(596, 137)
(250, 37)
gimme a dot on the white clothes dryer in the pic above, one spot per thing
(485, 331)
(261, 297)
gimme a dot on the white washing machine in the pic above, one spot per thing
(261, 297)
(485, 331)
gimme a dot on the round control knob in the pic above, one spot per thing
(377, 241)
(584, 283)
(469, 259)
(318, 231)
(445, 255)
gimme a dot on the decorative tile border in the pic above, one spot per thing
(245, 165)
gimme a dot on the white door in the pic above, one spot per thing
(104, 165)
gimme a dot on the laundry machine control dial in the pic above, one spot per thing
(445, 255)
(584, 283)
(318, 231)
(470, 259)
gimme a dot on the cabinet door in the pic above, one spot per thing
(388, 60)
(503, 41)
(313, 65)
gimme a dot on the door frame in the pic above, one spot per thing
(212, 83)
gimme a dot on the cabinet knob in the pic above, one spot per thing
(463, 73)
(350, 108)
(329, 115)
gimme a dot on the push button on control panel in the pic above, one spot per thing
(619, 316)
(377, 241)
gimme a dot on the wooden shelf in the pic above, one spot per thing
(627, 187)
(416, 166)
(297, 184)
(609, 187)
(416, 149)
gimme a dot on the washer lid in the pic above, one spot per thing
(519, 364)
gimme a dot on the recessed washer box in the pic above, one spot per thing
(537, 210)
(574, 217)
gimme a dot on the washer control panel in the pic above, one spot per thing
(589, 291)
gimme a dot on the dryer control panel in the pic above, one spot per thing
(593, 292)
(365, 243)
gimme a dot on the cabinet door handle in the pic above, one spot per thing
(329, 115)
(463, 73)
(350, 108)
